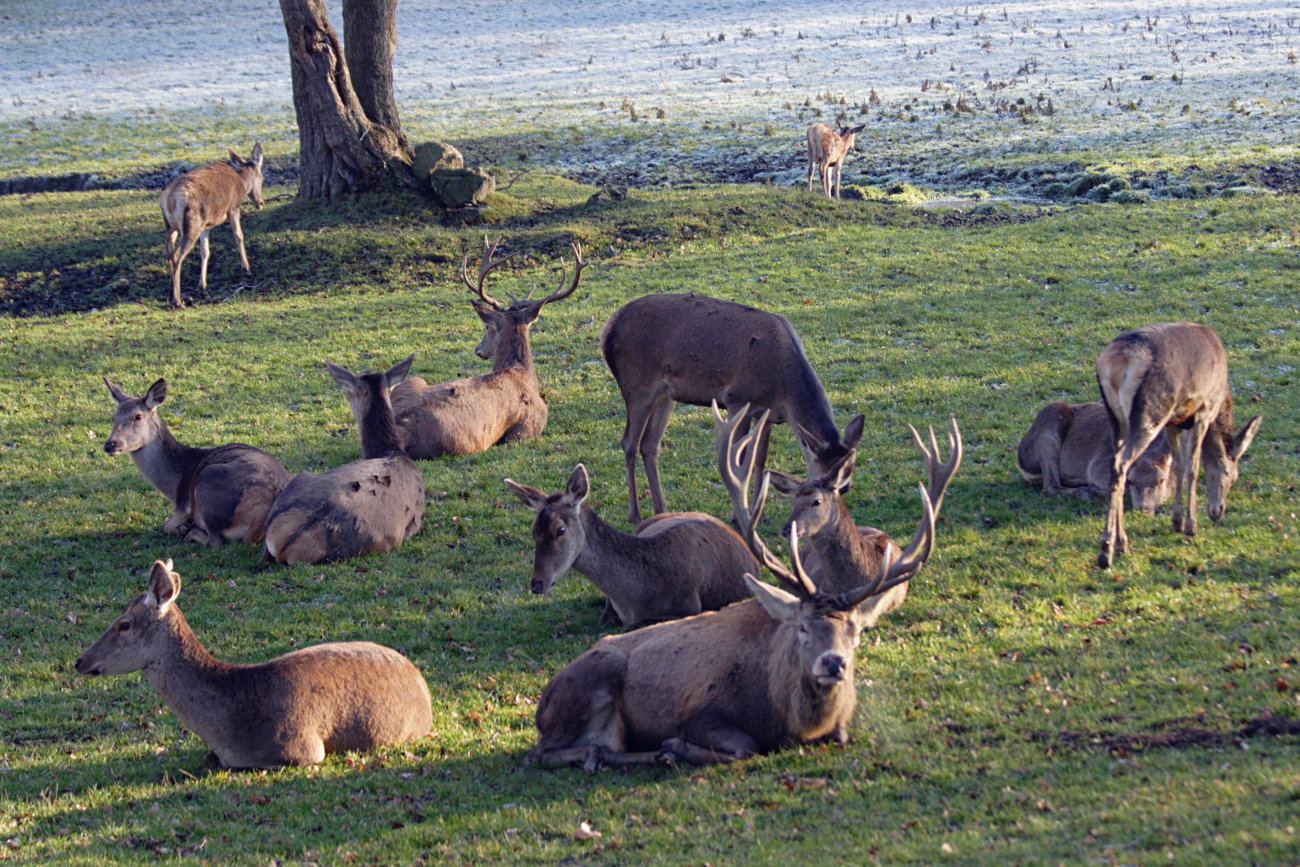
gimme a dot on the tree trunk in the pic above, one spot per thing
(343, 148)
(370, 40)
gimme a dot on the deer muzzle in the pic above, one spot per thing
(830, 669)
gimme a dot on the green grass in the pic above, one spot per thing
(1021, 707)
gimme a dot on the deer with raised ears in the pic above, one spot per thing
(1172, 376)
(198, 201)
(826, 152)
(677, 564)
(218, 495)
(1069, 449)
(471, 415)
(293, 710)
(724, 685)
(840, 554)
(368, 506)
(696, 350)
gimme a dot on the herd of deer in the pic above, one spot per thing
(720, 666)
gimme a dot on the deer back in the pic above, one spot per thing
(829, 147)
(207, 196)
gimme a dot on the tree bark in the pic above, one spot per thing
(343, 149)
(370, 40)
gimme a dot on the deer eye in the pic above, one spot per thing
(817, 503)
(139, 416)
(123, 626)
(559, 531)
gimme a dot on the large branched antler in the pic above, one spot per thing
(560, 292)
(486, 266)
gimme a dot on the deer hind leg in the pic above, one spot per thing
(178, 252)
(1114, 541)
(838, 171)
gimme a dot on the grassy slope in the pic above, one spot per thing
(1007, 712)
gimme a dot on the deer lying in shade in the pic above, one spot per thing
(369, 506)
(1070, 449)
(677, 563)
(293, 710)
(218, 495)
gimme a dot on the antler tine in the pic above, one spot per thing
(560, 292)
(940, 474)
(486, 266)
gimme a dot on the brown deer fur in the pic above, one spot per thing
(293, 710)
(199, 200)
(366, 507)
(677, 563)
(218, 495)
(826, 152)
(693, 349)
(1172, 376)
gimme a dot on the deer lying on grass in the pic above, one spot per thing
(293, 710)
(677, 563)
(366, 507)
(723, 685)
(1070, 449)
(697, 350)
(218, 495)
(1172, 376)
(199, 200)
(470, 415)
(826, 152)
(842, 555)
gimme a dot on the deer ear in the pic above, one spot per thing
(484, 310)
(397, 375)
(344, 377)
(258, 155)
(841, 475)
(156, 394)
(529, 496)
(117, 393)
(579, 485)
(784, 482)
(235, 158)
(853, 431)
(164, 585)
(780, 604)
(1244, 438)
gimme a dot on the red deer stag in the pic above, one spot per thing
(293, 710)
(723, 685)
(677, 563)
(826, 152)
(470, 415)
(366, 507)
(218, 495)
(696, 350)
(197, 201)
(1172, 376)
(1070, 449)
(842, 555)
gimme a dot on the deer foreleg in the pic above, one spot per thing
(203, 260)
(722, 745)
(239, 236)
(651, 442)
(1186, 447)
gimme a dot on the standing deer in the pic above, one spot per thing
(826, 152)
(723, 685)
(677, 563)
(470, 415)
(292, 710)
(1070, 449)
(369, 506)
(842, 555)
(696, 350)
(1172, 376)
(218, 495)
(199, 200)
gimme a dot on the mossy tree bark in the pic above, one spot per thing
(349, 137)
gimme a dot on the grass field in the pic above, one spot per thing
(1021, 707)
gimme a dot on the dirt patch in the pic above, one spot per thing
(1173, 736)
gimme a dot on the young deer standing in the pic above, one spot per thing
(696, 350)
(366, 507)
(826, 152)
(1070, 449)
(1172, 376)
(218, 495)
(723, 685)
(199, 200)
(677, 563)
(293, 710)
(470, 415)
(842, 555)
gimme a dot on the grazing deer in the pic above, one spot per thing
(696, 350)
(1172, 376)
(826, 152)
(470, 415)
(842, 555)
(218, 495)
(197, 201)
(293, 710)
(677, 563)
(369, 506)
(723, 685)
(1070, 449)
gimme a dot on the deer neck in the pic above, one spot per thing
(166, 462)
(515, 351)
(841, 550)
(605, 559)
(379, 437)
(191, 680)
